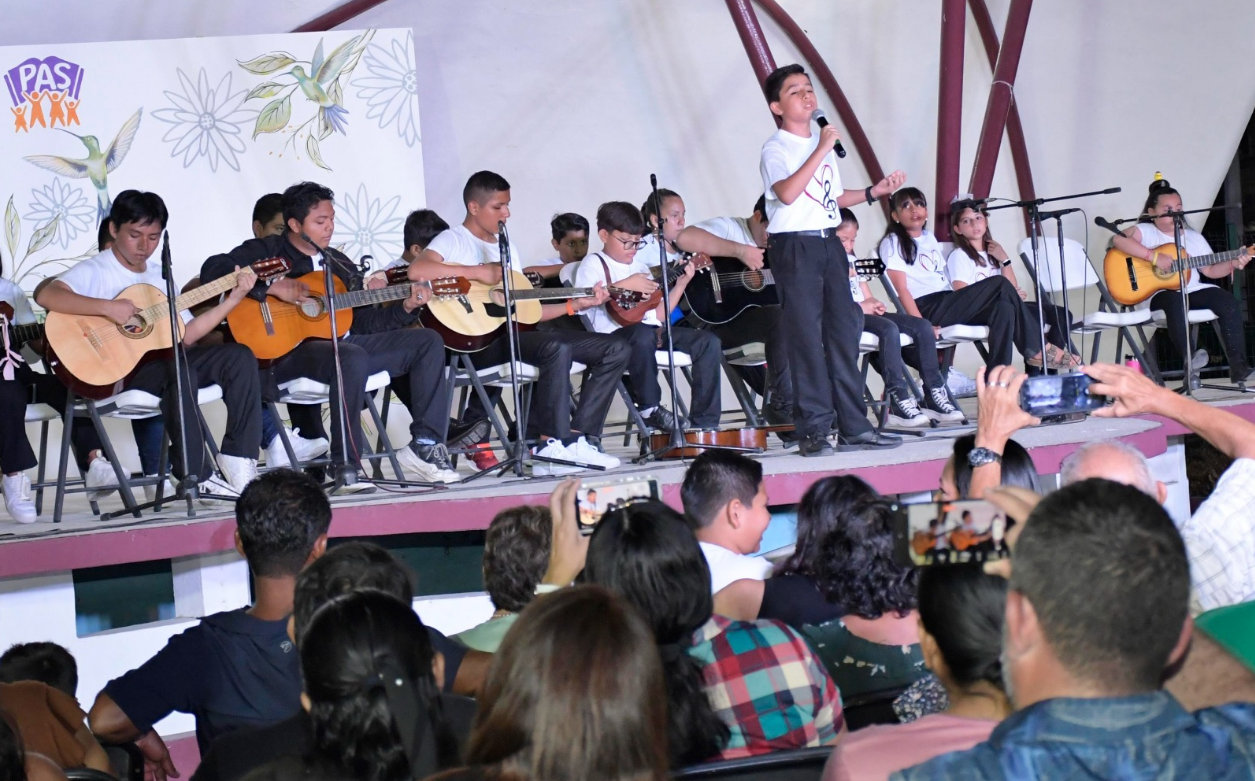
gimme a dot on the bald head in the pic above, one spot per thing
(1113, 461)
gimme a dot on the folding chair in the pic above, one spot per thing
(749, 354)
(464, 374)
(43, 415)
(304, 390)
(868, 344)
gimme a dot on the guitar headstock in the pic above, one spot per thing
(869, 268)
(271, 268)
(535, 278)
(6, 311)
(701, 262)
(624, 298)
(398, 275)
(449, 287)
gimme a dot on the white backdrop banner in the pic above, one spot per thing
(210, 124)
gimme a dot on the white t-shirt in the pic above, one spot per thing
(961, 268)
(729, 228)
(928, 273)
(856, 286)
(648, 254)
(590, 272)
(566, 276)
(104, 276)
(15, 297)
(727, 567)
(462, 248)
(816, 208)
(1195, 245)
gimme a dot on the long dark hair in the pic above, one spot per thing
(960, 241)
(845, 544)
(12, 757)
(1157, 189)
(575, 692)
(962, 608)
(906, 242)
(1018, 468)
(646, 552)
(366, 667)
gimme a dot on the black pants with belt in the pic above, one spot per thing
(991, 302)
(821, 325)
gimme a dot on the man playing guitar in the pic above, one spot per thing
(378, 342)
(136, 223)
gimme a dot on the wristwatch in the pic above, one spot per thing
(982, 456)
(868, 195)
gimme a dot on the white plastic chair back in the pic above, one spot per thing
(1080, 272)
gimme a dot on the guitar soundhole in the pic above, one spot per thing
(136, 328)
(753, 280)
(314, 308)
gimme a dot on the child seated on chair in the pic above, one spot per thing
(619, 227)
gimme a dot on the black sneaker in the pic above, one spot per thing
(870, 440)
(468, 434)
(814, 446)
(904, 411)
(937, 405)
(779, 414)
(661, 419)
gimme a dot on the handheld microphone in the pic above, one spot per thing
(820, 119)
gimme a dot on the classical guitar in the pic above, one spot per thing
(630, 310)
(1132, 280)
(731, 288)
(273, 328)
(19, 334)
(94, 356)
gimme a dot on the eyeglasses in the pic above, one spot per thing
(630, 243)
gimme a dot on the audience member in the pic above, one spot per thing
(50, 723)
(346, 569)
(367, 670)
(237, 668)
(960, 633)
(735, 688)
(516, 553)
(19, 765)
(1111, 460)
(44, 662)
(576, 692)
(1014, 467)
(843, 589)
(1097, 611)
(725, 502)
(991, 457)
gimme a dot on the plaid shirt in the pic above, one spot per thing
(767, 686)
(1220, 541)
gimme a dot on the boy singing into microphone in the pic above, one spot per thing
(804, 195)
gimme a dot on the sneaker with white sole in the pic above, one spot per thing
(150, 491)
(428, 462)
(17, 497)
(582, 450)
(1199, 360)
(101, 478)
(904, 411)
(937, 405)
(237, 470)
(305, 449)
(215, 490)
(959, 383)
(554, 449)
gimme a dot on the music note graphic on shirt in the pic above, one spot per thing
(823, 178)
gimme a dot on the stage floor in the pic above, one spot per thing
(81, 540)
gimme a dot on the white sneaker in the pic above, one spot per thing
(17, 497)
(150, 491)
(100, 477)
(428, 463)
(585, 453)
(237, 470)
(959, 383)
(1199, 360)
(554, 449)
(215, 490)
(305, 449)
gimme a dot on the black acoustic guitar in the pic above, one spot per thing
(731, 288)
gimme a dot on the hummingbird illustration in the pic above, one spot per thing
(97, 165)
(324, 74)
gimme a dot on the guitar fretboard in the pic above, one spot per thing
(21, 334)
(191, 298)
(1208, 260)
(356, 298)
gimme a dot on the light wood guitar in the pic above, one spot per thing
(1132, 280)
(273, 328)
(94, 356)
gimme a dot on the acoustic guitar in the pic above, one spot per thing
(273, 328)
(1132, 280)
(19, 334)
(718, 297)
(627, 309)
(94, 356)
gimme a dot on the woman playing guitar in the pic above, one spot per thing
(1155, 231)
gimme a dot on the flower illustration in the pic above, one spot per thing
(391, 89)
(67, 205)
(206, 121)
(368, 226)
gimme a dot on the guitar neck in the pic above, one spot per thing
(542, 294)
(21, 334)
(193, 297)
(1208, 260)
(356, 298)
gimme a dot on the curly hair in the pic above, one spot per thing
(516, 555)
(845, 544)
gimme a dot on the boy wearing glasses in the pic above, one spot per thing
(619, 226)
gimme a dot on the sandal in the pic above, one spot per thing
(1056, 359)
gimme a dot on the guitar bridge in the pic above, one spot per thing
(267, 319)
(714, 284)
(1132, 273)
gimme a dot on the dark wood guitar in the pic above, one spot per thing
(731, 288)
(19, 335)
(630, 310)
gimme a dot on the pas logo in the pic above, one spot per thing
(44, 92)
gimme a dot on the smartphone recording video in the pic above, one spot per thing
(971, 531)
(1059, 394)
(595, 498)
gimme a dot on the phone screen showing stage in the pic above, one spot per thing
(961, 532)
(1059, 394)
(594, 498)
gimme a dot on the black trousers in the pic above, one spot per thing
(761, 324)
(416, 353)
(991, 302)
(892, 358)
(552, 352)
(702, 346)
(1225, 306)
(822, 325)
(231, 366)
(29, 386)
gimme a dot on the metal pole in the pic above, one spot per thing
(949, 112)
(1001, 93)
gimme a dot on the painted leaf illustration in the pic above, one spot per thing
(324, 125)
(274, 117)
(266, 90)
(41, 237)
(336, 93)
(268, 63)
(12, 227)
(311, 146)
(364, 39)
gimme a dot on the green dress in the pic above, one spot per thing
(860, 666)
(488, 635)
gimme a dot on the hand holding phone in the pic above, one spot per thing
(1059, 394)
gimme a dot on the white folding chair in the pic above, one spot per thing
(748, 354)
(304, 390)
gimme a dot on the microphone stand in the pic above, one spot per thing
(675, 441)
